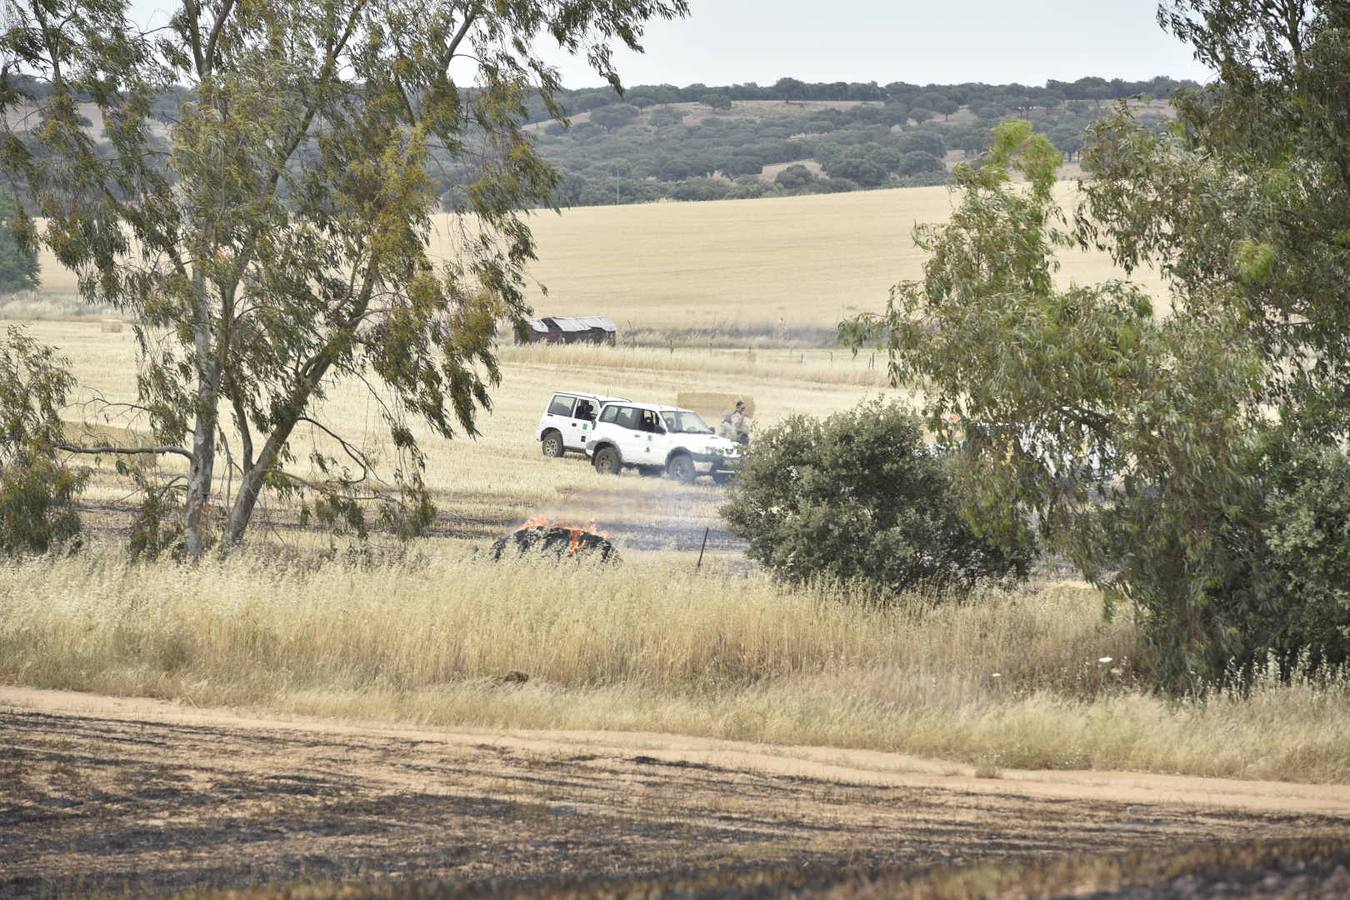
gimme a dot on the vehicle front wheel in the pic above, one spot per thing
(607, 461)
(552, 444)
(681, 469)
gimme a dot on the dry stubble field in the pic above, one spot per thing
(789, 262)
(1010, 682)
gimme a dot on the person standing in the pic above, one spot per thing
(736, 424)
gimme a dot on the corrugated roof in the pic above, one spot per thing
(545, 324)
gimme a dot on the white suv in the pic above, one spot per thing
(568, 420)
(656, 439)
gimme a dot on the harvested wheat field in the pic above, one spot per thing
(763, 266)
(438, 724)
(106, 796)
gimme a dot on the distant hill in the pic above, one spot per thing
(710, 143)
(659, 142)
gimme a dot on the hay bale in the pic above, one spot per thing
(558, 541)
(712, 405)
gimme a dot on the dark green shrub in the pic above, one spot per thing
(860, 496)
(614, 116)
(916, 162)
(1307, 539)
(158, 525)
(37, 491)
(795, 178)
(38, 510)
(18, 256)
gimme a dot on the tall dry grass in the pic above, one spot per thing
(1011, 680)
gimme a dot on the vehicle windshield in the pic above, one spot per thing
(684, 422)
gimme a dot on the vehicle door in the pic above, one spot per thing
(652, 441)
(624, 431)
(582, 423)
(558, 416)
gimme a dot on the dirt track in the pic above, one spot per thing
(101, 794)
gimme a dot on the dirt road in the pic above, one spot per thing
(104, 794)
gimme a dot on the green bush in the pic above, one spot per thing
(38, 510)
(158, 525)
(795, 178)
(18, 257)
(615, 115)
(1307, 539)
(37, 491)
(860, 496)
(916, 162)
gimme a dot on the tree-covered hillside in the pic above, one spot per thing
(704, 143)
(657, 142)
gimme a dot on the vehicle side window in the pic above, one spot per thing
(561, 405)
(585, 410)
(626, 417)
(609, 414)
(649, 422)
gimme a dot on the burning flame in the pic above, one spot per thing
(578, 531)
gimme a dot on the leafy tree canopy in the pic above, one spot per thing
(38, 492)
(18, 256)
(1188, 462)
(275, 242)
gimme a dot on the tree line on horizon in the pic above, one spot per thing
(638, 145)
(647, 145)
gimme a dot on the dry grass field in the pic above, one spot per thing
(1008, 680)
(776, 263)
(1013, 680)
(486, 484)
(1002, 695)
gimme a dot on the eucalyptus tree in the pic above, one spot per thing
(1194, 464)
(272, 239)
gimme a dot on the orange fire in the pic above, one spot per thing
(578, 531)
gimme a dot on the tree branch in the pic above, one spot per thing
(208, 55)
(469, 18)
(357, 456)
(80, 448)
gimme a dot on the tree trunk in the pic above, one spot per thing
(250, 487)
(204, 430)
(202, 469)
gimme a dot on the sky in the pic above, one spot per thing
(931, 41)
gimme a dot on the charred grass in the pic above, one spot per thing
(274, 809)
(1315, 867)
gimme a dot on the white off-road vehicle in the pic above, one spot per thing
(660, 439)
(568, 421)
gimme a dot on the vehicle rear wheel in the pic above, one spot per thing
(681, 469)
(607, 461)
(552, 444)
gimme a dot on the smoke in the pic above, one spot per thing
(648, 513)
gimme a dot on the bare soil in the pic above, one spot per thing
(102, 795)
